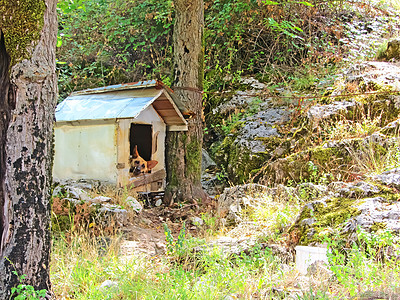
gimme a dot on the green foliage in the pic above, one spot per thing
(26, 291)
(107, 42)
(176, 248)
(360, 267)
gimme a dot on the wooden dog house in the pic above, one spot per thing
(97, 129)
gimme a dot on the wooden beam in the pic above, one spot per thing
(145, 179)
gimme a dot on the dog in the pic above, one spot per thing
(138, 165)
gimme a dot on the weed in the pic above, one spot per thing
(359, 268)
(25, 291)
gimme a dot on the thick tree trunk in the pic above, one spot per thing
(28, 90)
(184, 149)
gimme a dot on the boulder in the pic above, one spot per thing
(348, 206)
(107, 214)
(134, 204)
(392, 51)
(390, 178)
(234, 199)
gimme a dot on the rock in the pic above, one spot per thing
(349, 206)
(134, 204)
(108, 284)
(390, 178)
(100, 199)
(108, 213)
(197, 221)
(73, 201)
(318, 113)
(77, 193)
(358, 190)
(260, 126)
(232, 199)
(206, 161)
(240, 99)
(392, 51)
(378, 211)
(69, 191)
(310, 190)
(393, 128)
(374, 73)
(253, 83)
(211, 184)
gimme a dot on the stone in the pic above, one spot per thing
(206, 161)
(197, 221)
(319, 112)
(134, 204)
(392, 50)
(260, 126)
(77, 193)
(158, 203)
(232, 199)
(109, 212)
(390, 178)
(211, 184)
(254, 83)
(240, 99)
(108, 284)
(237, 246)
(359, 189)
(100, 199)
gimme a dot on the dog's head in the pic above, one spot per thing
(139, 165)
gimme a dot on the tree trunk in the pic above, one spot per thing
(28, 90)
(184, 149)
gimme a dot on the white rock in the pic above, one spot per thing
(108, 284)
(134, 204)
(100, 199)
(197, 221)
(158, 202)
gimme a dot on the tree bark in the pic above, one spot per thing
(28, 91)
(184, 149)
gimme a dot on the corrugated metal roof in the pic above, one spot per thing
(120, 87)
(100, 106)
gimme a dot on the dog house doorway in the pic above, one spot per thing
(141, 135)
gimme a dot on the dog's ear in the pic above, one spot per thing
(151, 164)
(135, 153)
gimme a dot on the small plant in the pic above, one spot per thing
(175, 247)
(26, 291)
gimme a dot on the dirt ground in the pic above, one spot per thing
(145, 234)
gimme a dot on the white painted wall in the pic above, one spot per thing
(85, 150)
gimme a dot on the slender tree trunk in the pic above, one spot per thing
(184, 149)
(28, 90)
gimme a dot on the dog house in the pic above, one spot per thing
(96, 132)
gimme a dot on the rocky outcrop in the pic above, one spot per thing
(391, 51)
(346, 207)
(74, 206)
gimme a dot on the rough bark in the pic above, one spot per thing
(28, 91)
(184, 149)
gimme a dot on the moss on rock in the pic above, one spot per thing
(318, 216)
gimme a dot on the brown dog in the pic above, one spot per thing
(139, 165)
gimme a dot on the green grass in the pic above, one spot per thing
(79, 268)
(80, 265)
